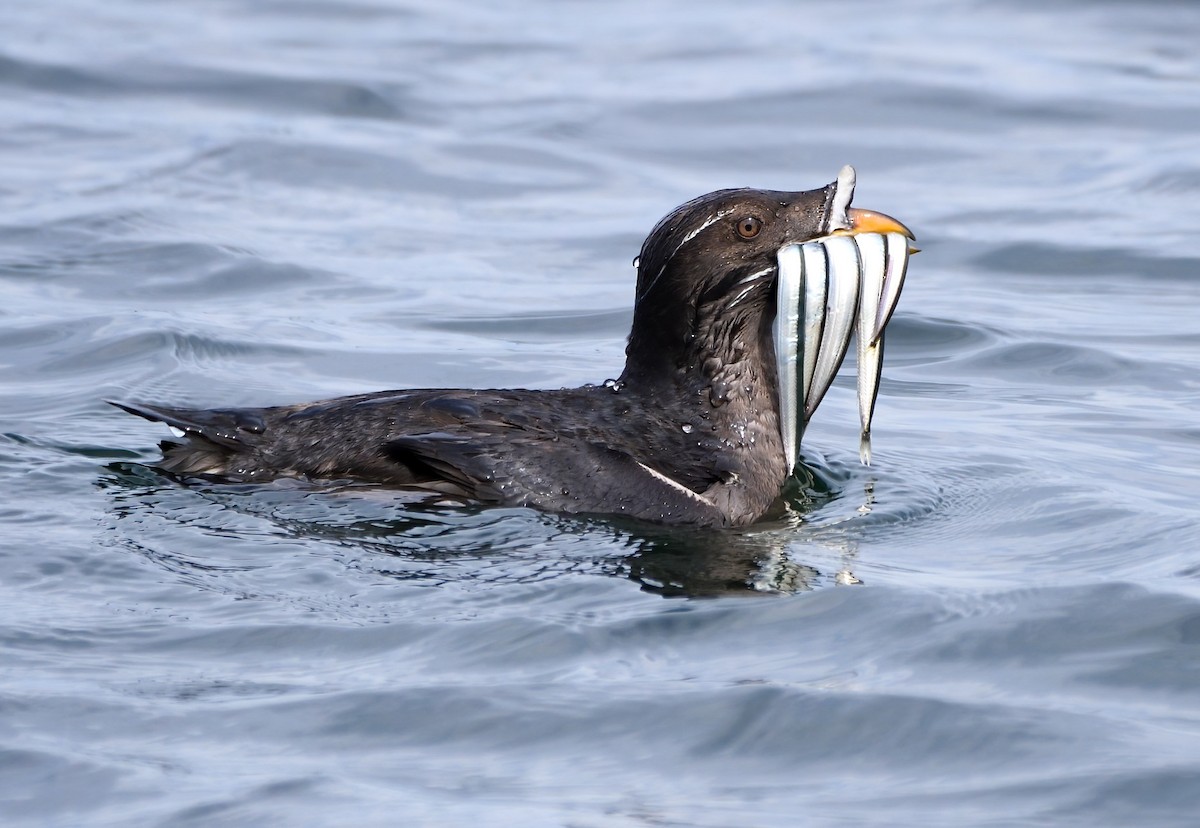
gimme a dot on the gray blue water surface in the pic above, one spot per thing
(250, 203)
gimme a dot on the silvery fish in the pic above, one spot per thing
(846, 282)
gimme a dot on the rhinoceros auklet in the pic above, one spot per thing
(702, 427)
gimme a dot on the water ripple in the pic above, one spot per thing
(994, 624)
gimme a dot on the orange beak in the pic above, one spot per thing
(866, 221)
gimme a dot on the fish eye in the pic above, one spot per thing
(748, 227)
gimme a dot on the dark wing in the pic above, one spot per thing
(562, 475)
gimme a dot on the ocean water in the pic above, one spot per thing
(249, 203)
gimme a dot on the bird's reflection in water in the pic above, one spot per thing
(697, 564)
(763, 558)
(423, 539)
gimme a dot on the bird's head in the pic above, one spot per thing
(707, 272)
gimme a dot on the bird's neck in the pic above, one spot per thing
(718, 398)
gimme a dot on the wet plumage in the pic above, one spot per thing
(689, 433)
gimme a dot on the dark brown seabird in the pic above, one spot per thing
(689, 433)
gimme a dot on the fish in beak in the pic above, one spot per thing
(845, 282)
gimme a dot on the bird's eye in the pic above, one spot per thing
(748, 227)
